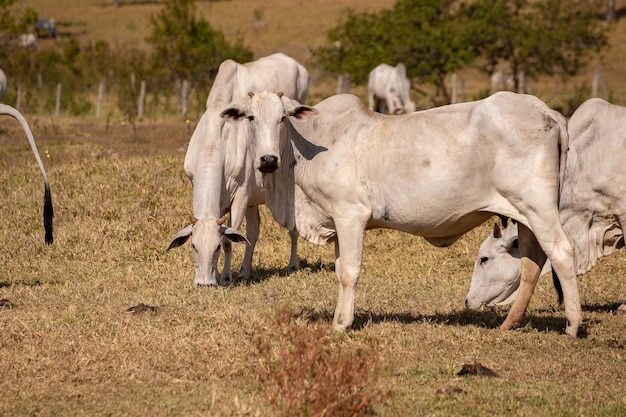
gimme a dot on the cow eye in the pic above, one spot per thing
(483, 259)
(251, 118)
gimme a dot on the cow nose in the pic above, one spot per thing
(269, 164)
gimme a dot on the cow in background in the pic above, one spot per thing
(222, 174)
(48, 211)
(388, 89)
(335, 170)
(3, 85)
(592, 205)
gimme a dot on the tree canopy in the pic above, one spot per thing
(435, 38)
(188, 48)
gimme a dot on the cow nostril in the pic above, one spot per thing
(269, 163)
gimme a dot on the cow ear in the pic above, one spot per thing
(233, 114)
(233, 235)
(497, 233)
(302, 112)
(180, 238)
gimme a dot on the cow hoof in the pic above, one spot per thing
(621, 309)
(204, 285)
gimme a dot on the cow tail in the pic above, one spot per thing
(48, 212)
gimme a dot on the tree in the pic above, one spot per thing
(548, 37)
(187, 48)
(435, 38)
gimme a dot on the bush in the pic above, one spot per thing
(306, 372)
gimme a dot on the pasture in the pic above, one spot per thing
(105, 322)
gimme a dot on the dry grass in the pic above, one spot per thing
(70, 346)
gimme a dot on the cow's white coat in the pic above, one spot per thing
(342, 169)
(592, 205)
(388, 88)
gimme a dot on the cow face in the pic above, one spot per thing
(265, 113)
(497, 275)
(206, 241)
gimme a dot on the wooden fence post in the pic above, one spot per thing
(142, 98)
(57, 106)
(99, 105)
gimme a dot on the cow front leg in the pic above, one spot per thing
(253, 222)
(348, 258)
(533, 259)
(294, 262)
(226, 277)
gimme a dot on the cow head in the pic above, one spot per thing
(265, 112)
(497, 270)
(206, 241)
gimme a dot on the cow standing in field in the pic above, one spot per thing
(337, 169)
(222, 174)
(48, 211)
(388, 89)
(592, 205)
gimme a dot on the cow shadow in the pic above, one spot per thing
(489, 319)
(260, 274)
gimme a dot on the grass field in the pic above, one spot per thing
(105, 322)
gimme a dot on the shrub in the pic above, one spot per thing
(306, 372)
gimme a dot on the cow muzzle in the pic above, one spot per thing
(269, 164)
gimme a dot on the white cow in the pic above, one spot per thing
(48, 211)
(497, 274)
(340, 169)
(592, 206)
(3, 85)
(221, 173)
(276, 72)
(388, 88)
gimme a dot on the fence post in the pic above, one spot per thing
(57, 106)
(99, 105)
(596, 83)
(184, 93)
(18, 104)
(453, 93)
(142, 98)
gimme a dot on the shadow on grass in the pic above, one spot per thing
(263, 274)
(489, 319)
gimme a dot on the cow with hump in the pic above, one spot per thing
(219, 163)
(340, 169)
(389, 89)
(592, 206)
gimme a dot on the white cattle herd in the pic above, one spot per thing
(329, 172)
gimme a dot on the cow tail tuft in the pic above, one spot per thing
(48, 214)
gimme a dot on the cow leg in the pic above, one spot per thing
(391, 105)
(560, 250)
(533, 259)
(226, 277)
(253, 223)
(371, 101)
(294, 262)
(348, 257)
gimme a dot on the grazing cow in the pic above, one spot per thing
(335, 170)
(592, 204)
(48, 211)
(388, 88)
(221, 173)
(276, 72)
(3, 85)
(497, 273)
